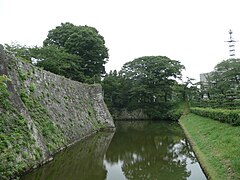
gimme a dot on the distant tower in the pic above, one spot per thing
(231, 43)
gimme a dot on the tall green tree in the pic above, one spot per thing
(57, 60)
(115, 90)
(145, 83)
(226, 75)
(76, 52)
(222, 89)
(83, 41)
(224, 86)
(153, 76)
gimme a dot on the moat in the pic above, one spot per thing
(137, 150)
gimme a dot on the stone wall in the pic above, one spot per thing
(45, 114)
(125, 114)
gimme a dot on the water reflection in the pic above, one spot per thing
(153, 150)
(138, 150)
(83, 160)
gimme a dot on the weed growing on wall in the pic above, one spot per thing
(4, 102)
(16, 142)
(54, 137)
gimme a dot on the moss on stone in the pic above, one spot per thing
(14, 138)
(52, 134)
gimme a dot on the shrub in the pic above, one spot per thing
(32, 87)
(223, 115)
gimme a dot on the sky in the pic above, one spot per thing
(190, 31)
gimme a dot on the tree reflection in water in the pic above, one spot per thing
(82, 161)
(150, 150)
(137, 150)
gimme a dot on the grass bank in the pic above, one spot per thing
(217, 146)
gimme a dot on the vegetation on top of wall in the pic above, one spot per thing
(76, 52)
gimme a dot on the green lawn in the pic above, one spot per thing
(216, 144)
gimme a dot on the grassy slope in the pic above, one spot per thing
(216, 144)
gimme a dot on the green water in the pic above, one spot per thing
(137, 150)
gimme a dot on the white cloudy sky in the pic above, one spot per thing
(191, 31)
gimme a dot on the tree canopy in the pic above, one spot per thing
(146, 83)
(58, 61)
(222, 88)
(22, 52)
(76, 52)
(83, 41)
(155, 73)
(226, 75)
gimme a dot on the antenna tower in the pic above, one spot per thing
(231, 44)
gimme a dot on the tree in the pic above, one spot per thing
(144, 83)
(76, 52)
(83, 41)
(58, 61)
(19, 51)
(226, 75)
(186, 89)
(115, 90)
(223, 86)
(156, 73)
(225, 83)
